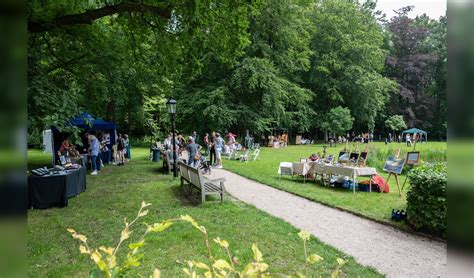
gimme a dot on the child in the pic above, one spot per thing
(204, 165)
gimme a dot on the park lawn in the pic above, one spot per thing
(373, 205)
(117, 193)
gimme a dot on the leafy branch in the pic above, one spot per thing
(105, 258)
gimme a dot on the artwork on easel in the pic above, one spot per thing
(343, 157)
(363, 158)
(413, 158)
(354, 157)
(394, 165)
(329, 159)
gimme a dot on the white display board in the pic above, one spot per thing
(47, 141)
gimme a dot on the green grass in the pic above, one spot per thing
(372, 205)
(117, 193)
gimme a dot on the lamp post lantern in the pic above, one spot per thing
(172, 111)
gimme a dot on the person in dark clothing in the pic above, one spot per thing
(120, 150)
(212, 158)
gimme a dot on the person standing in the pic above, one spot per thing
(219, 147)
(206, 143)
(195, 137)
(128, 155)
(120, 150)
(193, 150)
(408, 139)
(167, 142)
(213, 149)
(94, 147)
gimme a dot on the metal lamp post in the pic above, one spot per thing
(172, 111)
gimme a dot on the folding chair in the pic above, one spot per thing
(245, 157)
(255, 154)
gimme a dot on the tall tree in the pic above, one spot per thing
(348, 60)
(263, 89)
(411, 65)
(108, 56)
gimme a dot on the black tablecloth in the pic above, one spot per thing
(106, 156)
(54, 191)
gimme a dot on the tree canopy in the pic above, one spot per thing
(395, 123)
(233, 65)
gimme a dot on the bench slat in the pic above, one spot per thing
(211, 187)
(206, 186)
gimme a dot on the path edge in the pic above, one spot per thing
(404, 229)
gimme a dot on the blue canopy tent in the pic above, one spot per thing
(88, 123)
(417, 131)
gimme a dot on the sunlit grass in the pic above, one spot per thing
(117, 193)
(376, 206)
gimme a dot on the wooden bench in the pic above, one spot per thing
(168, 160)
(194, 179)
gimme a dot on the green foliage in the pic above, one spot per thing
(115, 66)
(232, 65)
(395, 123)
(156, 116)
(107, 262)
(427, 198)
(338, 120)
(348, 60)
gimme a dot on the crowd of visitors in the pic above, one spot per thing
(213, 145)
(120, 152)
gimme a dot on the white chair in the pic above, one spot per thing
(255, 154)
(285, 168)
(245, 156)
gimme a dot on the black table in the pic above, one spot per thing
(54, 191)
(106, 156)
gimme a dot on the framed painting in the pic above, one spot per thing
(353, 157)
(394, 165)
(343, 157)
(413, 158)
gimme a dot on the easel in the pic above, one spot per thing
(411, 166)
(363, 161)
(396, 176)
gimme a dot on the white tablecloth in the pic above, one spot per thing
(321, 168)
(284, 164)
(349, 171)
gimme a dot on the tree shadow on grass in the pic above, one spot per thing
(182, 195)
(191, 196)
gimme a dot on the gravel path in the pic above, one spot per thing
(389, 250)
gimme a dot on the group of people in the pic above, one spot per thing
(214, 145)
(409, 138)
(280, 140)
(120, 151)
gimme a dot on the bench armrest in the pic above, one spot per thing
(218, 180)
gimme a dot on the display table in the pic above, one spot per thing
(82, 160)
(106, 156)
(54, 191)
(351, 171)
(304, 169)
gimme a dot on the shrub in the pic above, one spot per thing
(426, 199)
(109, 265)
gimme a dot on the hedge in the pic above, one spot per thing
(426, 199)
